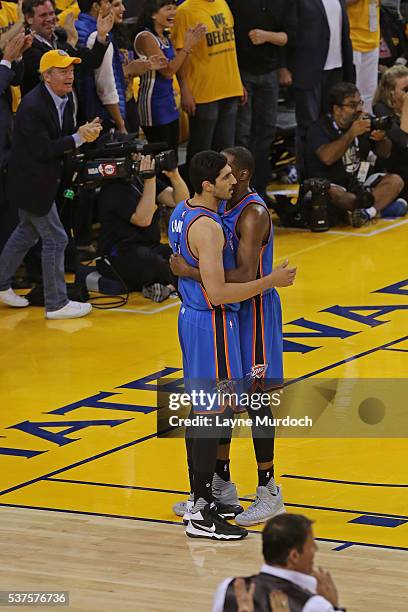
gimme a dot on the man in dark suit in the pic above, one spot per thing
(44, 135)
(321, 57)
(11, 70)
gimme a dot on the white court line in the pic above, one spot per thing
(310, 248)
(146, 312)
(353, 234)
(340, 235)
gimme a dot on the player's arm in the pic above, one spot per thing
(206, 240)
(252, 235)
(252, 231)
(252, 226)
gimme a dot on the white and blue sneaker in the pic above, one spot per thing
(397, 208)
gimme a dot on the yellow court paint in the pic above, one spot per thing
(78, 412)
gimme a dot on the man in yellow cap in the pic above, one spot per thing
(44, 137)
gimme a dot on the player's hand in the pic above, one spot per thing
(360, 127)
(179, 266)
(283, 276)
(326, 587)
(244, 597)
(278, 601)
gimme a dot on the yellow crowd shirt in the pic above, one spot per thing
(74, 8)
(8, 16)
(364, 17)
(212, 70)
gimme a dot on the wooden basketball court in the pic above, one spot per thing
(87, 487)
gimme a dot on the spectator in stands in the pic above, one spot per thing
(41, 19)
(103, 93)
(11, 71)
(11, 19)
(44, 135)
(289, 548)
(157, 107)
(131, 66)
(391, 99)
(338, 148)
(261, 29)
(364, 18)
(393, 39)
(211, 85)
(130, 231)
(322, 56)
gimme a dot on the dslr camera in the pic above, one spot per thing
(316, 210)
(364, 196)
(380, 123)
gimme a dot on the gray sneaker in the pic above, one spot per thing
(225, 496)
(263, 508)
(224, 492)
(180, 508)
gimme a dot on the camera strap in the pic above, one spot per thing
(354, 167)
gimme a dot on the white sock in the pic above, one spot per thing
(372, 212)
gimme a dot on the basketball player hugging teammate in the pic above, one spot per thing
(230, 330)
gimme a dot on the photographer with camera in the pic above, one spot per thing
(391, 99)
(129, 241)
(340, 147)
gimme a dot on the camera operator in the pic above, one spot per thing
(130, 230)
(391, 99)
(44, 137)
(340, 147)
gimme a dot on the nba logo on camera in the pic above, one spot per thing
(107, 169)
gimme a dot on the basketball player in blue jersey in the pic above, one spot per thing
(208, 324)
(247, 218)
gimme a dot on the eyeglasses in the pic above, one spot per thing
(354, 105)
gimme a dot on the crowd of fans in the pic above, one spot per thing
(208, 72)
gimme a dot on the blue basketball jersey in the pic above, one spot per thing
(230, 220)
(260, 318)
(156, 102)
(184, 215)
(208, 335)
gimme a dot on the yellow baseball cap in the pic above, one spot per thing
(57, 59)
